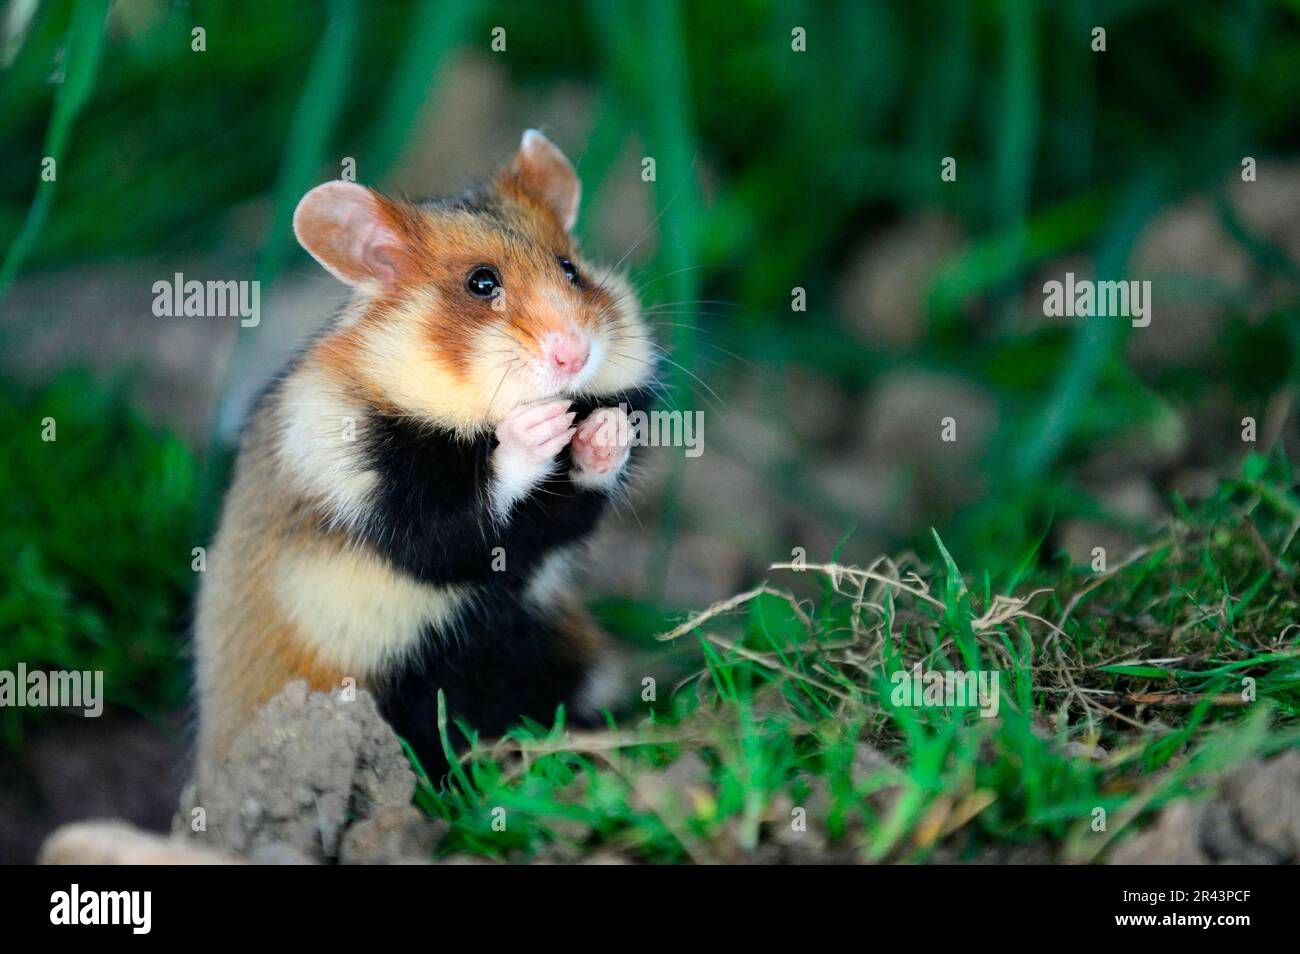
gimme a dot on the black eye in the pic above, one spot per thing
(483, 282)
(570, 270)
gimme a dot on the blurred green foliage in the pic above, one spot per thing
(95, 561)
(772, 166)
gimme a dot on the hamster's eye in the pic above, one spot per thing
(483, 282)
(570, 270)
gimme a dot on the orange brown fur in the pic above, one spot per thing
(252, 650)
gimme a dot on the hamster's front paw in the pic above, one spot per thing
(528, 440)
(601, 447)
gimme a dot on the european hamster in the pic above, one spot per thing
(411, 492)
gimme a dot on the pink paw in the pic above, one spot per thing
(530, 436)
(600, 446)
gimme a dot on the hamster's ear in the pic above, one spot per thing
(544, 173)
(345, 227)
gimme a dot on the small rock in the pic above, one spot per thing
(1267, 205)
(1224, 840)
(1173, 840)
(675, 788)
(1194, 266)
(1268, 801)
(1254, 820)
(605, 858)
(905, 412)
(799, 827)
(907, 420)
(396, 834)
(278, 854)
(818, 407)
(1085, 750)
(883, 297)
(870, 765)
(1079, 538)
(120, 843)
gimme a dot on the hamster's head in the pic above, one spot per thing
(466, 308)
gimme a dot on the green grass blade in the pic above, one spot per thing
(85, 41)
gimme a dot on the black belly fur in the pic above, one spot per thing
(505, 658)
(506, 661)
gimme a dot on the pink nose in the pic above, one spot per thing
(569, 353)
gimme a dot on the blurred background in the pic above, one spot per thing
(776, 169)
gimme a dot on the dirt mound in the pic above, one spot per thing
(315, 777)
